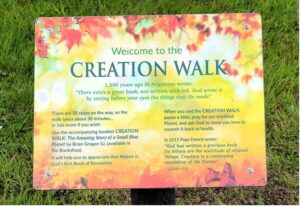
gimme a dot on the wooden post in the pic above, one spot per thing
(153, 196)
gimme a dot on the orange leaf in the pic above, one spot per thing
(157, 179)
(36, 132)
(246, 78)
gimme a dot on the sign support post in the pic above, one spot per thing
(165, 196)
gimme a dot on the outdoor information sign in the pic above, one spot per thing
(149, 102)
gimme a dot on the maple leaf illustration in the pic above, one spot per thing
(71, 36)
(96, 26)
(41, 47)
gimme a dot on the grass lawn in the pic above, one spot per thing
(280, 35)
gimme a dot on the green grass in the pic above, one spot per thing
(280, 35)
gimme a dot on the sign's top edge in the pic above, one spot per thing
(254, 13)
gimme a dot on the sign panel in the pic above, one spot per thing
(149, 102)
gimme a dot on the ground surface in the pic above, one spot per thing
(280, 34)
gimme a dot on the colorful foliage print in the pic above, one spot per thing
(71, 30)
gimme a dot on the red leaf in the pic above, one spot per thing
(49, 22)
(212, 176)
(192, 47)
(151, 30)
(71, 36)
(228, 29)
(145, 176)
(168, 24)
(231, 16)
(66, 22)
(229, 70)
(131, 22)
(156, 179)
(36, 132)
(258, 72)
(199, 26)
(198, 184)
(96, 26)
(234, 72)
(204, 17)
(227, 176)
(217, 19)
(41, 47)
(219, 29)
(254, 25)
(238, 55)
